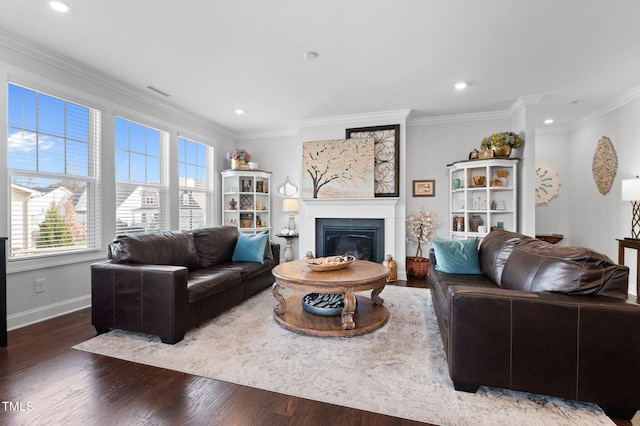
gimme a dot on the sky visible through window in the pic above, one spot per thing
(137, 152)
(47, 134)
(192, 160)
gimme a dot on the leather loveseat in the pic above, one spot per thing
(165, 283)
(542, 319)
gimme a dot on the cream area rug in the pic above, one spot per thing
(398, 370)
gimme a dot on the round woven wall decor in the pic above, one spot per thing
(605, 164)
(546, 183)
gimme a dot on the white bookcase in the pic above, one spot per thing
(246, 199)
(493, 203)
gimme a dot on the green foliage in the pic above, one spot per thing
(499, 139)
(54, 230)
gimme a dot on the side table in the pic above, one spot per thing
(632, 244)
(288, 251)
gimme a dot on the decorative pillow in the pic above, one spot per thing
(457, 256)
(250, 248)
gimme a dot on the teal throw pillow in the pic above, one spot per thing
(250, 248)
(457, 256)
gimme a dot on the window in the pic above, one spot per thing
(141, 181)
(196, 190)
(52, 149)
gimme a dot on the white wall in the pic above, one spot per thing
(431, 145)
(553, 149)
(68, 285)
(596, 220)
(281, 155)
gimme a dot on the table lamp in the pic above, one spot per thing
(631, 192)
(290, 205)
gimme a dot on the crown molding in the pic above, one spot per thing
(458, 118)
(267, 135)
(54, 59)
(351, 118)
(616, 103)
(522, 102)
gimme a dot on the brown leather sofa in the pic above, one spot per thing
(542, 319)
(165, 283)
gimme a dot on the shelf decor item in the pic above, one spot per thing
(501, 143)
(421, 226)
(239, 159)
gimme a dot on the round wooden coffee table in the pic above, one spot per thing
(361, 275)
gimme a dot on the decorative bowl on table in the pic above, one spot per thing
(330, 263)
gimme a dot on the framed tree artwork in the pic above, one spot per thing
(341, 168)
(386, 156)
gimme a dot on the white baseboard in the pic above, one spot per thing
(22, 319)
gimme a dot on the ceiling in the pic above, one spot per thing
(214, 56)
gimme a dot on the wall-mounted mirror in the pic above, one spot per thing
(288, 189)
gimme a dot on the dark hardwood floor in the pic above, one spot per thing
(43, 381)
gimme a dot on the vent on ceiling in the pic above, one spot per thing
(158, 91)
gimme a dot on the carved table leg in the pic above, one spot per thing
(375, 295)
(282, 304)
(349, 310)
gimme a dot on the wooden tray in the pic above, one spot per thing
(315, 265)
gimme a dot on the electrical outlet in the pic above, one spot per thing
(40, 285)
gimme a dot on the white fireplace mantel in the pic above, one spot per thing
(348, 208)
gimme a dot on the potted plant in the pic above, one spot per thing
(501, 143)
(421, 226)
(238, 158)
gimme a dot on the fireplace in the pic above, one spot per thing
(362, 238)
(343, 209)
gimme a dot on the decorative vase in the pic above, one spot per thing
(502, 151)
(235, 164)
(232, 204)
(393, 266)
(417, 267)
(474, 222)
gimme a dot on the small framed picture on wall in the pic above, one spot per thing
(424, 188)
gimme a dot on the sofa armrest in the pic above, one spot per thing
(143, 298)
(578, 347)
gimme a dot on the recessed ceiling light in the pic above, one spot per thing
(239, 111)
(461, 85)
(60, 6)
(548, 121)
(310, 55)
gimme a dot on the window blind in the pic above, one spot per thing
(52, 152)
(141, 178)
(195, 184)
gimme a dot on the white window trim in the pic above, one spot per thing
(28, 263)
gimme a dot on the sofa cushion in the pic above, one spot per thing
(494, 251)
(156, 248)
(251, 248)
(204, 283)
(538, 266)
(457, 256)
(215, 245)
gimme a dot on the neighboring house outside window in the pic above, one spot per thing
(195, 182)
(141, 178)
(52, 153)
